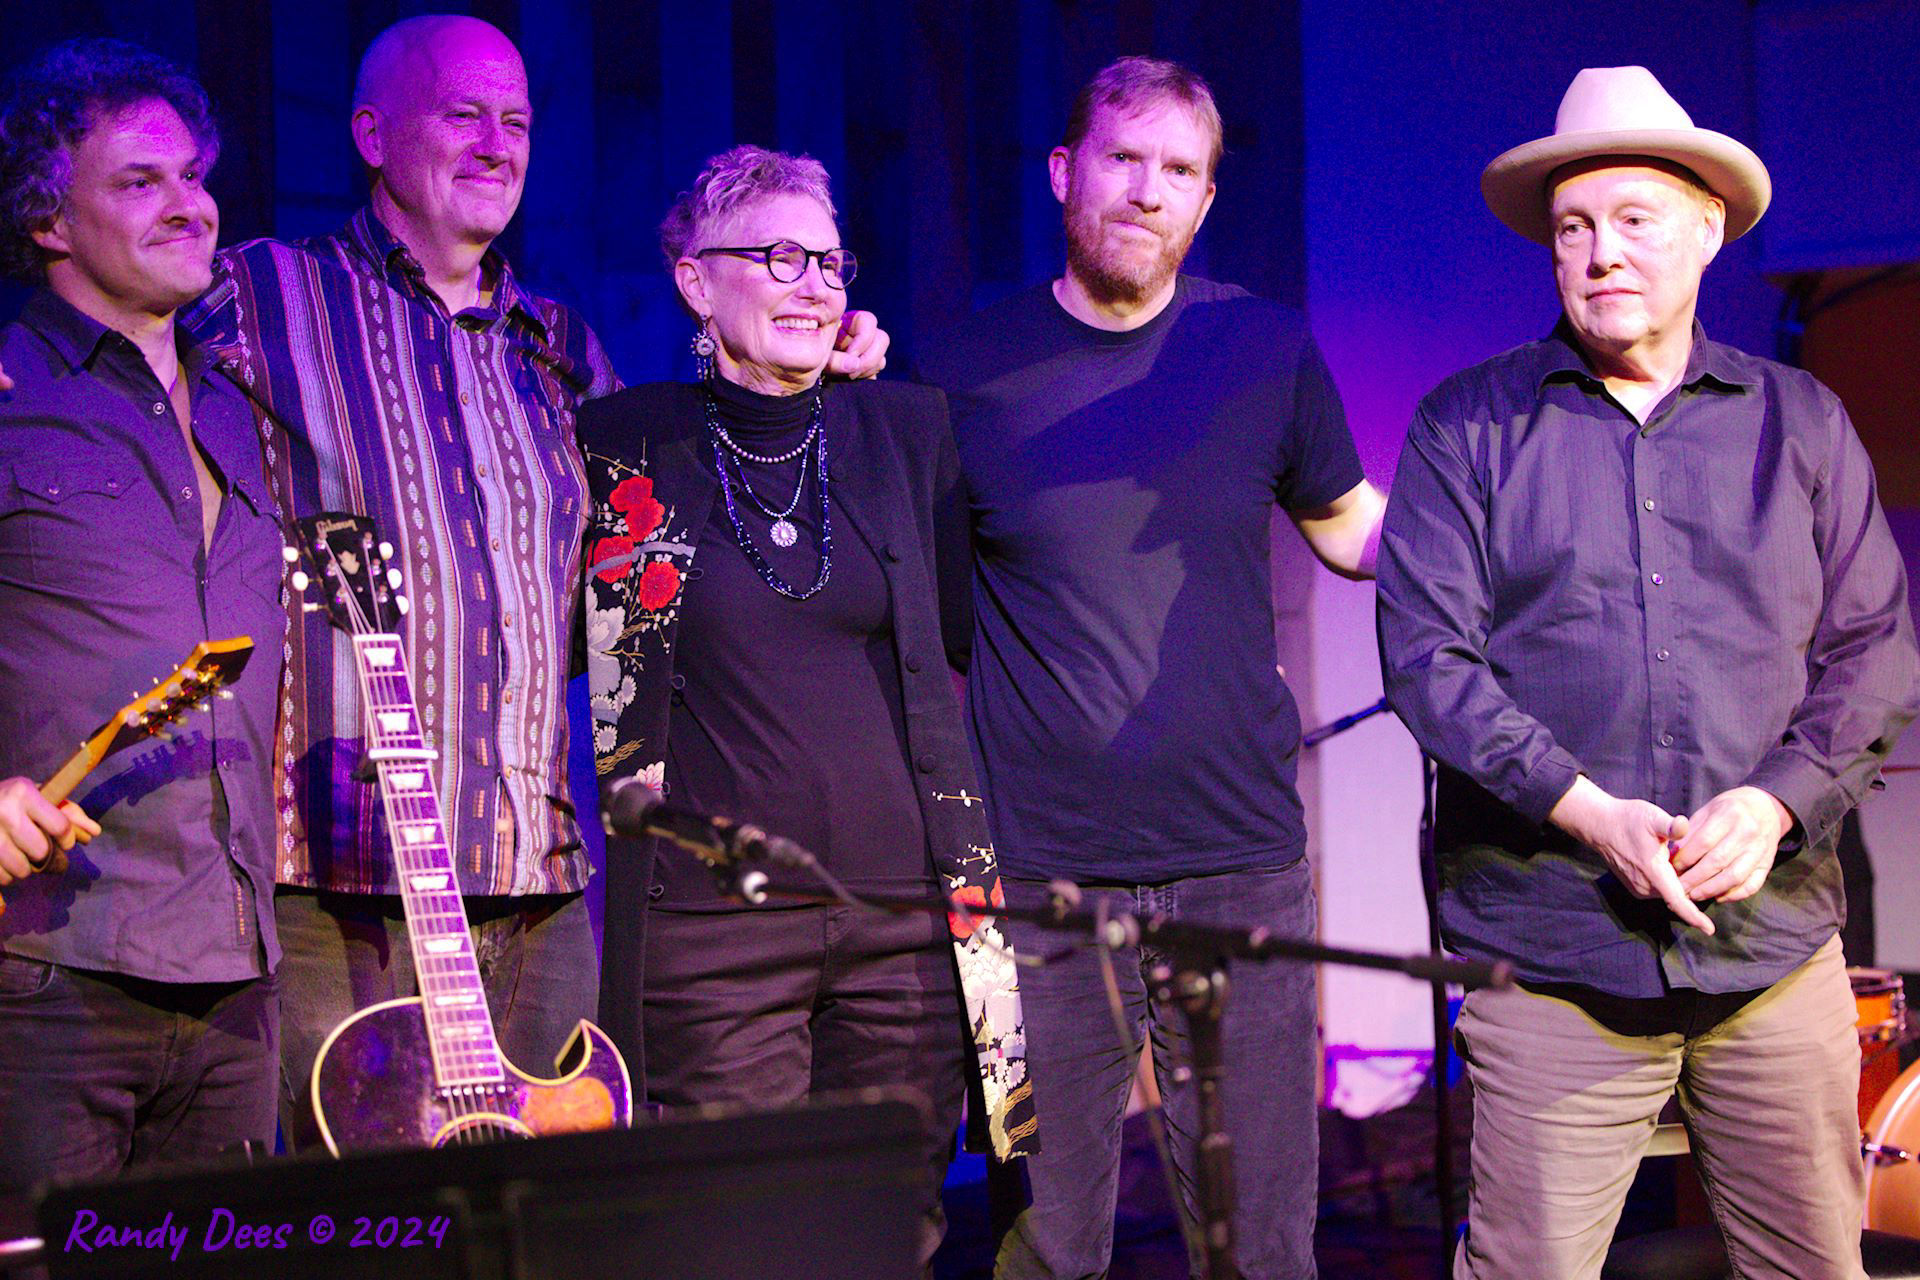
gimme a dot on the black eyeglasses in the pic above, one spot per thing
(787, 261)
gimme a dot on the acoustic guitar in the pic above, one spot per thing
(427, 1070)
(208, 670)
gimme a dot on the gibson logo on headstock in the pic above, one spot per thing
(326, 528)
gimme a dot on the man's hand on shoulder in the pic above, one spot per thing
(6, 383)
(1731, 844)
(33, 831)
(1633, 837)
(861, 349)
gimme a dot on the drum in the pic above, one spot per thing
(1893, 1158)
(1880, 1000)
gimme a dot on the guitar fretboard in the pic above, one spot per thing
(459, 1027)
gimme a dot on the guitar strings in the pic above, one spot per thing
(459, 1101)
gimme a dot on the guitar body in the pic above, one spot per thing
(374, 1088)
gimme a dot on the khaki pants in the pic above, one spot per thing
(1563, 1110)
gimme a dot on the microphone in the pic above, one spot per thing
(635, 810)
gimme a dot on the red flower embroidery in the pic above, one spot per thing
(659, 584)
(633, 498)
(972, 895)
(611, 549)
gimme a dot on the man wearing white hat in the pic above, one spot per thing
(1638, 598)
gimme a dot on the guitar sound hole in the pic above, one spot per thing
(480, 1119)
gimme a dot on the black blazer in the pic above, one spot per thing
(895, 483)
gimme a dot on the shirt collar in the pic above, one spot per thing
(73, 334)
(79, 339)
(1559, 353)
(395, 262)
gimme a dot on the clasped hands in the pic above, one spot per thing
(1721, 852)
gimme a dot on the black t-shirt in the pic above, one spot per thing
(1126, 714)
(788, 713)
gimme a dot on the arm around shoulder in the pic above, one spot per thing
(1344, 535)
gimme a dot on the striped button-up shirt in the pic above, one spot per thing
(456, 434)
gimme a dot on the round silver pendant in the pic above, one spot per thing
(783, 533)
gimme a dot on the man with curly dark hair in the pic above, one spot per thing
(138, 1020)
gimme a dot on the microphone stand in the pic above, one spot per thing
(1195, 981)
(1442, 1019)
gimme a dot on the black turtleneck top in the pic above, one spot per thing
(788, 713)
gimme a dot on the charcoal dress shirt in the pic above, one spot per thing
(1709, 600)
(106, 584)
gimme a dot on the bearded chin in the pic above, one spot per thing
(1119, 276)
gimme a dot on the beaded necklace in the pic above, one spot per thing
(724, 444)
(781, 530)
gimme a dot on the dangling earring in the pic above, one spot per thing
(703, 349)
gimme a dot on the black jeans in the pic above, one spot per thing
(767, 1008)
(100, 1071)
(1081, 1079)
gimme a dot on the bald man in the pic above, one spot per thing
(399, 369)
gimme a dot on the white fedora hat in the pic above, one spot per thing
(1623, 111)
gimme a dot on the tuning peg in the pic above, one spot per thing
(225, 695)
(400, 603)
(299, 579)
(386, 551)
(290, 554)
(310, 607)
(393, 577)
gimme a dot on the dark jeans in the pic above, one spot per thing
(767, 1008)
(343, 952)
(99, 1071)
(1081, 1079)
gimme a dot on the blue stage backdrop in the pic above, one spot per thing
(934, 119)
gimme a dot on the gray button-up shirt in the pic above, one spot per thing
(106, 584)
(1675, 609)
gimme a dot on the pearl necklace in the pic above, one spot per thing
(722, 444)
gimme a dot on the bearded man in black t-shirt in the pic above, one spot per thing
(1125, 433)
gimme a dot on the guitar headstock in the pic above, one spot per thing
(359, 583)
(208, 670)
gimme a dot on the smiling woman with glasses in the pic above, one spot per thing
(773, 568)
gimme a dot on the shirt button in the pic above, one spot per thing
(482, 469)
(913, 662)
(1657, 580)
(1666, 739)
(506, 620)
(891, 555)
(464, 398)
(508, 696)
(1648, 504)
(186, 494)
(159, 408)
(1661, 654)
(926, 764)
(496, 544)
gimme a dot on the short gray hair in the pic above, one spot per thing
(732, 181)
(1134, 84)
(52, 104)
